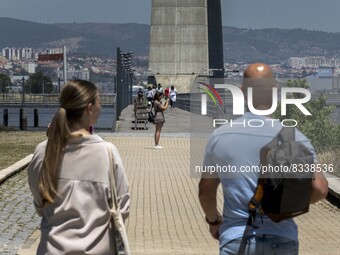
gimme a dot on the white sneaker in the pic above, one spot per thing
(158, 147)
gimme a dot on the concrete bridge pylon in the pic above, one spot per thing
(185, 41)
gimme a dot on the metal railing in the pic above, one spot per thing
(40, 108)
(46, 99)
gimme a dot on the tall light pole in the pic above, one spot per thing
(23, 115)
(119, 91)
(65, 64)
(22, 91)
(127, 65)
(59, 85)
(123, 80)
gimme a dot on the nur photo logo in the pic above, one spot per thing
(240, 102)
(213, 94)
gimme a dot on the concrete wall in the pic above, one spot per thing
(179, 41)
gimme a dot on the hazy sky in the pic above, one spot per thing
(308, 14)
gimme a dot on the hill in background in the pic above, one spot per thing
(277, 45)
(240, 45)
(90, 38)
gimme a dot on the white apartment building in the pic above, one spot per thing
(313, 62)
(55, 51)
(297, 63)
(17, 53)
(29, 67)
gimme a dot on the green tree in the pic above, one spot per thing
(48, 71)
(38, 83)
(5, 83)
(318, 127)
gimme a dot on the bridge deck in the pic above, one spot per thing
(166, 217)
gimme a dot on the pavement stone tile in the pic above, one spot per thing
(166, 218)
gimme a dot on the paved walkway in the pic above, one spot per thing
(165, 214)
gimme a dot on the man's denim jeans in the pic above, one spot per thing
(263, 244)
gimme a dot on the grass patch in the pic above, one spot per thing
(4, 128)
(15, 145)
(331, 157)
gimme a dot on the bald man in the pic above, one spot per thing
(238, 146)
(261, 79)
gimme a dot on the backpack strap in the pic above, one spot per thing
(286, 134)
(254, 208)
(243, 243)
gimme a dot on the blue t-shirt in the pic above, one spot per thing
(237, 147)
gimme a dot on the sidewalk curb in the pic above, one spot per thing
(31, 244)
(16, 167)
(333, 185)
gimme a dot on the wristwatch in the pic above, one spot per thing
(214, 223)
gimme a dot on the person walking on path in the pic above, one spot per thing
(159, 88)
(166, 92)
(69, 177)
(173, 93)
(239, 146)
(150, 96)
(159, 117)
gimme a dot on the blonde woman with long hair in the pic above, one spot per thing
(69, 177)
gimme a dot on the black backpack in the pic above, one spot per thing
(151, 117)
(285, 191)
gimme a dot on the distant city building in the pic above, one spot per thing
(83, 74)
(313, 62)
(297, 63)
(29, 67)
(55, 51)
(17, 54)
(322, 80)
(325, 72)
